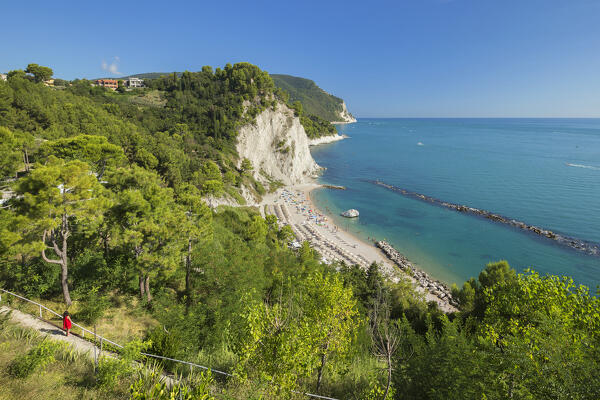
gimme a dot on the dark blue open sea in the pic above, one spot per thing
(544, 172)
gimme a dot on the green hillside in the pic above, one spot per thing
(316, 109)
(314, 100)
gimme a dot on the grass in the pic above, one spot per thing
(149, 98)
(126, 321)
(70, 376)
(221, 358)
(122, 322)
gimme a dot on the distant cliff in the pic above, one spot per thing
(314, 100)
(345, 116)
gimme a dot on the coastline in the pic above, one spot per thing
(294, 206)
(399, 268)
(327, 139)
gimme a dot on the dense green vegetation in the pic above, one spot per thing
(35, 367)
(315, 100)
(104, 206)
(314, 126)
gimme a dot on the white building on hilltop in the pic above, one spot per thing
(134, 82)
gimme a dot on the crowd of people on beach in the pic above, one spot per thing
(303, 206)
(315, 228)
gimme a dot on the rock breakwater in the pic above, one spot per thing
(334, 187)
(435, 287)
(573, 243)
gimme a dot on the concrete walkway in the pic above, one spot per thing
(52, 331)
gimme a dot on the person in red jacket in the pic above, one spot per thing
(66, 322)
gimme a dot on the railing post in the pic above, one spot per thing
(41, 312)
(82, 332)
(95, 355)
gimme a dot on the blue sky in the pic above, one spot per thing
(419, 58)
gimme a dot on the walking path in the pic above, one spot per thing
(52, 331)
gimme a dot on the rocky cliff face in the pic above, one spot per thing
(277, 145)
(345, 116)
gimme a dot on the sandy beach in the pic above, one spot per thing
(292, 205)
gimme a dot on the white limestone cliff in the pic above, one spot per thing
(277, 146)
(345, 116)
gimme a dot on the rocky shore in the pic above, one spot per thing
(326, 139)
(577, 244)
(435, 287)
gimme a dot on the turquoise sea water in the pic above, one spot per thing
(545, 172)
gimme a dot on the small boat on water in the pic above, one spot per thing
(351, 213)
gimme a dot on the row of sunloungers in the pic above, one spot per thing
(281, 212)
(305, 232)
(329, 249)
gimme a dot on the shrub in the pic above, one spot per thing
(229, 178)
(92, 306)
(164, 344)
(36, 358)
(260, 189)
(110, 370)
(212, 187)
(196, 388)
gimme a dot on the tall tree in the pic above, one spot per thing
(147, 222)
(386, 334)
(56, 197)
(308, 329)
(39, 72)
(93, 149)
(333, 322)
(197, 227)
(546, 335)
(10, 156)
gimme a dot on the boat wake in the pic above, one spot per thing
(590, 248)
(583, 166)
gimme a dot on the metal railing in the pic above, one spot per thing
(103, 339)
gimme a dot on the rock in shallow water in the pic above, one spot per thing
(351, 213)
